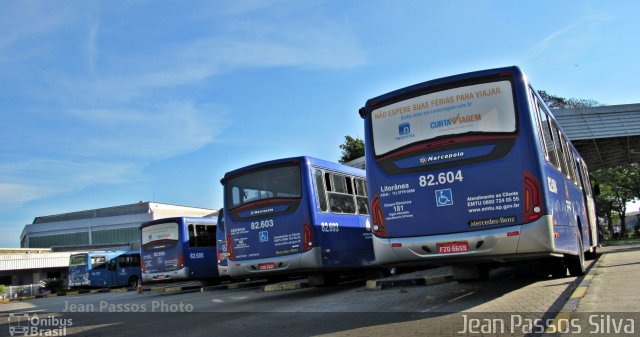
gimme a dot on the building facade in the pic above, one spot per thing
(115, 227)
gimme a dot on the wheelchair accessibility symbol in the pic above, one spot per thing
(444, 197)
(264, 236)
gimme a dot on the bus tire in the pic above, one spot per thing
(557, 268)
(324, 279)
(132, 282)
(590, 255)
(575, 263)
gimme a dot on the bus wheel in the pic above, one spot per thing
(590, 255)
(133, 281)
(324, 279)
(576, 263)
(557, 269)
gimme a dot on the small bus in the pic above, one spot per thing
(297, 215)
(104, 269)
(474, 170)
(179, 248)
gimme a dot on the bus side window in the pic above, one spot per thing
(113, 265)
(192, 236)
(559, 151)
(206, 236)
(98, 262)
(321, 192)
(340, 201)
(122, 261)
(547, 135)
(361, 196)
(134, 260)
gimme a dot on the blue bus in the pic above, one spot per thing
(297, 215)
(104, 269)
(221, 246)
(180, 248)
(474, 170)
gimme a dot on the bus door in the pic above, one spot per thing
(112, 275)
(201, 252)
(221, 243)
(340, 225)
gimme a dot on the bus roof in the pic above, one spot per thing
(178, 218)
(374, 102)
(311, 161)
(107, 252)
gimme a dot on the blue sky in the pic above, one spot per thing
(109, 103)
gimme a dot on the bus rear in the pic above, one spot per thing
(453, 171)
(162, 251)
(79, 270)
(267, 223)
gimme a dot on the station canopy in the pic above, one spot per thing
(605, 136)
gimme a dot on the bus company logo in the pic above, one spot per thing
(27, 325)
(404, 131)
(261, 211)
(434, 158)
(458, 119)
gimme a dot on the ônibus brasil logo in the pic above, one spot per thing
(34, 325)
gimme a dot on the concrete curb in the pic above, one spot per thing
(285, 286)
(565, 314)
(408, 282)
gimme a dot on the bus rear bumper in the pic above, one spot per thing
(276, 265)
(498, 245)
(180, 274)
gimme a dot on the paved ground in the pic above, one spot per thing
(445, 309)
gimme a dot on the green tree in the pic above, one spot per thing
(557, 102)
(352, 148)
(618, 186)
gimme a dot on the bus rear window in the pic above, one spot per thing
(473, 109)
(278, 182)
(160, 236)
(78, 260)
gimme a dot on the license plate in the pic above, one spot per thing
(266, 266)
(453, 247)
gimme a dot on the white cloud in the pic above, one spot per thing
(565, 33)
(125, 108)
(12, 194)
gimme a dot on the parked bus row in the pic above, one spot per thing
(470, 170)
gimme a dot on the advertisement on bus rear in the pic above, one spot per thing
(161, 247)
(486, 107)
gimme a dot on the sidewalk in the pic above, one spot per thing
(612, 285)
(607, 300)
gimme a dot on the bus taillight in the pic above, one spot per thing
(180, 261)
(308, 237)
(533, 208)
(232, 255)
(377, 217)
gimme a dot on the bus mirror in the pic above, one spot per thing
(596, 189)
(362, 112)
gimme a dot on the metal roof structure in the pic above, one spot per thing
(21, 259)
(605, 136)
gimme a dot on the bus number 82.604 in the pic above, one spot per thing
(440, 179)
